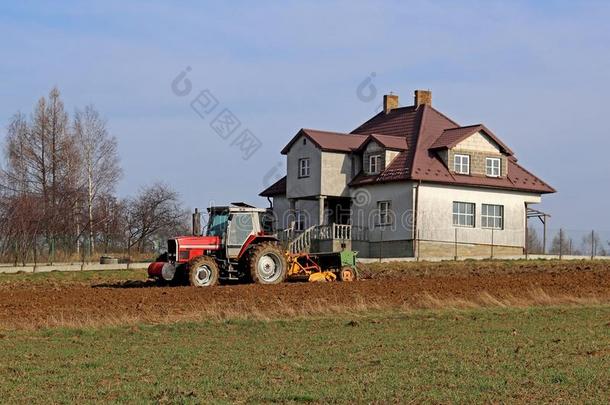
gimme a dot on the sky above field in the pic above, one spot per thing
(537, 74)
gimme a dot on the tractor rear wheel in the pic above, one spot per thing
(267, 264)
(203, 272)
(348, 273)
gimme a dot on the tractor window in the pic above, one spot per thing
(266, 220)
(217, 224)
(241, 228)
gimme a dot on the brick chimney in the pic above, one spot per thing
(390, 102)
(423, 97)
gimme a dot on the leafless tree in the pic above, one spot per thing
(109, 213)
(21, 226)
(561, 243)
(534, 244)
(593, 245)
(100, 161)
(155, 212)
(43, 163)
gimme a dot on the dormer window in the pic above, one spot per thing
(304, 168)
(374, 164)
(461, 164)
(492, 167)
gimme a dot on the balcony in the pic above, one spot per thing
(322, 238)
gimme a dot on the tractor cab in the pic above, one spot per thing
(237, 226)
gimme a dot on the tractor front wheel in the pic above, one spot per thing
(268, 264)
(203, 272)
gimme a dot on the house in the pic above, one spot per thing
(410, 181)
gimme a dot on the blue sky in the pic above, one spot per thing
(537, 74)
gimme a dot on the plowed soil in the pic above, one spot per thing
(385, 286)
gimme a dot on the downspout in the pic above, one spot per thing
(415, 211)
(270, 202)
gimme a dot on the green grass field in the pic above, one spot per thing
(484, 355)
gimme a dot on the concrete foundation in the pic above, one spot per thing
(450, 250)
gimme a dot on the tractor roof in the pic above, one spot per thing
(236, 207)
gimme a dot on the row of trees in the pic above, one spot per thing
(57, 190)
(562, 243)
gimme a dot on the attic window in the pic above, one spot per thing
(492, 167)
(304, 141)
(304, 168)
(461, 164)
(374, 164)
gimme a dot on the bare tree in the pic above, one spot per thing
(534, 244)
(561, 244)
(109, 213)
(42, 162)
(155, 211)
(593, 245)
(100, 160)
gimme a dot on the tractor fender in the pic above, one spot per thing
(255, 240)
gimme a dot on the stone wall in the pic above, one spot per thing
(477, 161)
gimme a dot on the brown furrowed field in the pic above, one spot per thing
(118, 298)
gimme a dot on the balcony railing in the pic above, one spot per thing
(298, 241)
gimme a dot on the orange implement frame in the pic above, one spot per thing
(301, 265)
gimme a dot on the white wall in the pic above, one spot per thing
(303, 187)
(435, 214)
(281, 207)
(281, 210)
(364, 206)
(389, 156)
(336, 173)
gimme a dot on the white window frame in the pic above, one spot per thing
(493, 167)
(459, 162)
(492, 216)
(304, 168)
(377, 163)
(461, 215)
(385, 210)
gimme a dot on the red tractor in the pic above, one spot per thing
(238, 245)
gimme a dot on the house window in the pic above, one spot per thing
(463, 214)
(374, 164)
(304, 168)
(299, 223)
(492, 167)
(492, 216)
(384, 212)
(461, 164)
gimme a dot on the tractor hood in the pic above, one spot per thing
(199, 242)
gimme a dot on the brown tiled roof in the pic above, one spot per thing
(451, 137)
(277, 188)
(421, 162)
(422, 130)
(328, 141)
(387, 141)
(403, 121)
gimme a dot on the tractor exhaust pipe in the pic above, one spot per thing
(196, 223)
